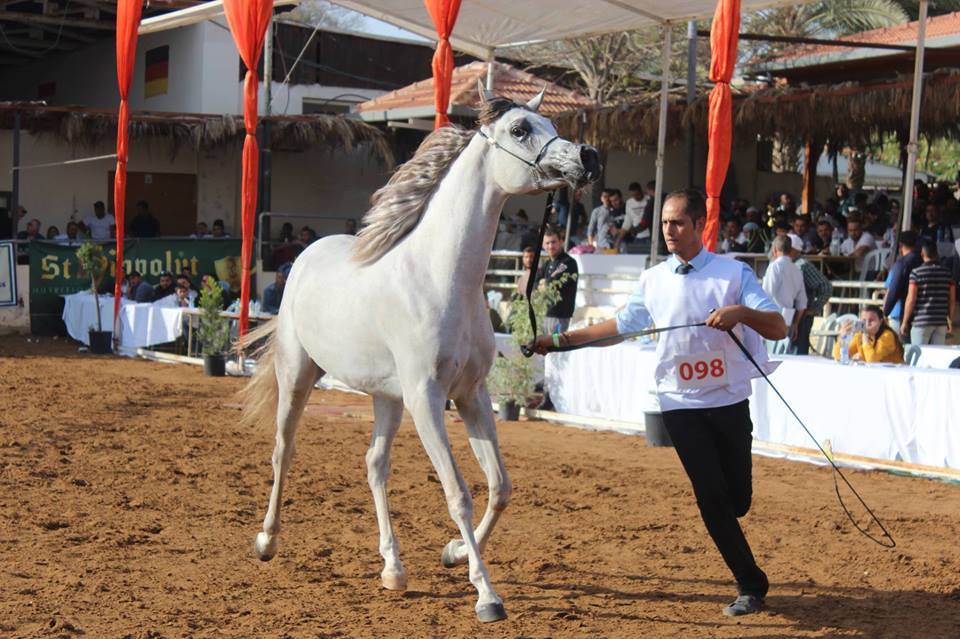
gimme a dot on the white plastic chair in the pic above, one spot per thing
(911, 354)
(872, 263)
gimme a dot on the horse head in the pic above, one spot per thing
(534, 157)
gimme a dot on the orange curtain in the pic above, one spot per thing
(444, 15)
(248, 20)
(128, 23)
(724, 34)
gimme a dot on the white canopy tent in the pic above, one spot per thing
(484, 27)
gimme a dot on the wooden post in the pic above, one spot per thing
(811, 155)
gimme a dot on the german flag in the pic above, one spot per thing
(156, 72)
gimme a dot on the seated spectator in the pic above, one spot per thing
(935, 230)
(187, 283)
(165, 287)
(209, 279)
(876, 343)
(821, 243)
(858, 242)
(201, 232)
(71, 237)
(217, 230)
(144, 224)
(273, 294)
(286, 233)
(307, 236)
(632, 217)
(734, 241)
(53, 233)
(350, 227)
(32, 232)
(137, 289)
(527, 259)
(182, 297)
(931, 300)
(755, 238)
(802, 229)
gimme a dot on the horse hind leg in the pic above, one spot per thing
(477, 414)
(387, 416)
(296, 374)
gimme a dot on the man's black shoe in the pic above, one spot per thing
(744, 605)
(546, 404)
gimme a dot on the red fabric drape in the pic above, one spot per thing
(724, 33)
(444, 14)
(248, 20)
(128, 23)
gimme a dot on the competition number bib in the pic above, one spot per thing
(701, 370)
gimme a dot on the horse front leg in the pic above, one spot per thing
(387, 416)
(477, 414)
(425, 401)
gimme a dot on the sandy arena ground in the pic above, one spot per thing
(130, 499)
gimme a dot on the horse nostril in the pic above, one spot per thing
(590, 160)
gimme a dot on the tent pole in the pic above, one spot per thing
(490, 62)
(661, 143)
(912, 146)
(691, 95)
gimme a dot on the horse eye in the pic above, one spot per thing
(518, 132)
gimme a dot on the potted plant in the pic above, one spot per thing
(92, 262)
(511, 378)
(214, 330)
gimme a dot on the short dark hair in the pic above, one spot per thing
(218, 223)
(694, 204)
(652, 184)
(825, 222)
(552, 230)
(97, 205)
(634, 186)
(134, 274)
(930, 249)
(908, 239)
(529, 249)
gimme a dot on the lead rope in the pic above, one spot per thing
(532, 280)
(836, 469)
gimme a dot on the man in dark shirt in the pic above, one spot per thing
(165, 287)
(137, 289)
(144, 224)
(898, 280)
(273, 294)
(553, 270)
(935, 230)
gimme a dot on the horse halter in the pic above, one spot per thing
(535, 164)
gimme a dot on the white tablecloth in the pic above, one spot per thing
(594, 269)
(937, 356)
(881, 411)
(143, 324)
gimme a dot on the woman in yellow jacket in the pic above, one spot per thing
(876, 343)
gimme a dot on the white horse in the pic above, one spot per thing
(398, 312)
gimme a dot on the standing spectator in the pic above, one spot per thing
(527, 258)
(100, 225)
(563, 268)
(898, 279)
(818, 289)
(578, 214)
(858, 242)
(931, 299)
(217, 230)
(165, 287)
(876, 343)
(783, 282)
(844, 200)
(137, 289)
(273, 294)
(560, 208)
(144, 224)
(601, 222)
(935, 230)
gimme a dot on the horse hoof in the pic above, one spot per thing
(449, 557)
(488, 613)
(394, 581)
(265, 546)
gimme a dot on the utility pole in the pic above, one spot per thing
(691, 96)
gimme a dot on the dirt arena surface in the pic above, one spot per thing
(130, 499)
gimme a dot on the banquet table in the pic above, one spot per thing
(881, 411)
(937, 356)
(141, 324)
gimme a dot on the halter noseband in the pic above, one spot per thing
(535, 164)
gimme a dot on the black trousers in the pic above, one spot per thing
(802, 345)
(714, 447)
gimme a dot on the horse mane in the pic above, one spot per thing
(396, 208)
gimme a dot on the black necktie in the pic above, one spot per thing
(683, 269)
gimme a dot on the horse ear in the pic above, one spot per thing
(535, 101)
(485, 96)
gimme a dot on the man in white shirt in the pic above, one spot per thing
(783, 282)
(100, 225)
(858, 242)
(633, 214)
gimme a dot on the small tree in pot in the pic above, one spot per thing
(214, 331)
(92, 262)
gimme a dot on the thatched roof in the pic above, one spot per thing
(849, 113)
(92, 127)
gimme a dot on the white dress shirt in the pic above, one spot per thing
(783, 282)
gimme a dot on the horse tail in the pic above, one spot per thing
(260, 396)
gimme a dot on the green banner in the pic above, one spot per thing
(54, 270)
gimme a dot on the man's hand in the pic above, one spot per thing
(542, 344)
(904, 331)
(794, 331)
(724, 319)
